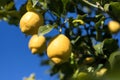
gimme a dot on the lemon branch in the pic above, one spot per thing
(89, 3)
(93, 5)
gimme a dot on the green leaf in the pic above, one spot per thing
(114, 60)
(99, 49)
(22, 9)
(110, 45)
(2, 14)
(81, 16)
(64, 4)
(45, 29)
(114, 10)
(106, 47)
(4, 2)
(106, 7)
(29, 5)
(98, 30)
(31, 77)
(9, 6)
(56, 7)
(35, 2)
(13, 13)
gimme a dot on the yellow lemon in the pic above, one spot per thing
(114, 26)
(30, 22)
(37, 44)
(59, 49)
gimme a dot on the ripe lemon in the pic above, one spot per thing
(37, 44)
(114, 26)
(59, 49)
(30, 22)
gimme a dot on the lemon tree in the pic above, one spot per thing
(77, 36)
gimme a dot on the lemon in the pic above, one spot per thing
(59, 49)
(30, 22)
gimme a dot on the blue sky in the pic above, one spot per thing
(15, 57)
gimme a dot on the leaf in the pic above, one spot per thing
(45, 29)
(4, 2)
(56, 7)
(13, 13)
(114, 10)
(98, 30)
(81, 16)
(99, 48)
(114, 59)
(2, 14)
(9, 6)
(106, 47)
(45, 62)
(35, 2)
(110, 45)
(29, 6)
(106, 7)
(22, 9)
(31, 77)
(78, 21)
(64, 4)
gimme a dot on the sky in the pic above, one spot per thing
(16, 60)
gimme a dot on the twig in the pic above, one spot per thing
(89, 3)
(93, 5)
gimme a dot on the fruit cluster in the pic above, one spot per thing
(59, 47)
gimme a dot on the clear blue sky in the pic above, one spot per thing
(16, 60)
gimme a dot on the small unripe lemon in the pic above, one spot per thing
(37, 44)
(101, 72)
(82, 76)
(89, 60)
(30, 22)
(114, 26)
(59, 49)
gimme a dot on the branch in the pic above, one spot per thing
(91, 4)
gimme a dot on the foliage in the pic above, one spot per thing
(84, 23)
(31, 77)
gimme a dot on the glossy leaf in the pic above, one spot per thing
(45, 29)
